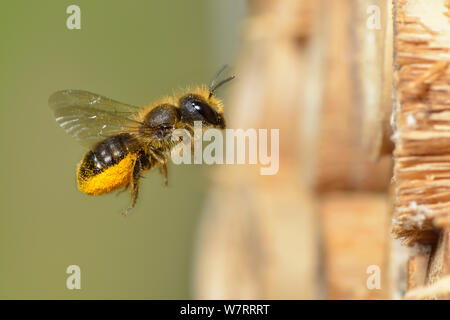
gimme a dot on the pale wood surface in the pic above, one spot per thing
(422, 141)
(417, 270)
(355, 237)
(314, 70)
(422, 135)
(258, 238)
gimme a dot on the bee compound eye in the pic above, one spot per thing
(207, 112)
(195, 109)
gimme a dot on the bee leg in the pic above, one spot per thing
(134, 195)
(123, 190)
(164, 172)
(162, 164)
(135, 184)
(156, 156)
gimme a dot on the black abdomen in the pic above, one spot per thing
(107, 153)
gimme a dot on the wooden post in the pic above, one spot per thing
(258, 237)
(422, 140)
(351, 187)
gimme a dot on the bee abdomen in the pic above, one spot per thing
(108, 166)
(107, 153)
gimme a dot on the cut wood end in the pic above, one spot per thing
(422, 120)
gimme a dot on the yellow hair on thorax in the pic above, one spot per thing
(202, 91)
(146, 109)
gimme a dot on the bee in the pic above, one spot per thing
(126, 141)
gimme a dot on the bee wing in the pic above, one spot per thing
(89, 117)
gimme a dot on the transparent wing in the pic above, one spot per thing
(89, 117)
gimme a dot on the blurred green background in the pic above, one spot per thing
(131, 51)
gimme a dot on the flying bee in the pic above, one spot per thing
(125, 141)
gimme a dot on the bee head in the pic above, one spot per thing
(202, 105)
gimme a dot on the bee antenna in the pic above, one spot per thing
(213, 86)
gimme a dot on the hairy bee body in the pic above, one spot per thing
(124, 140)
(114, 162)
(109, 165)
